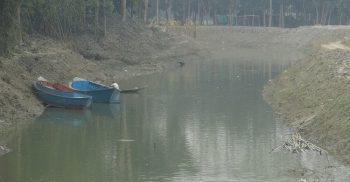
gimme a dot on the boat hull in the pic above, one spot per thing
(55, 98)
(99, 93)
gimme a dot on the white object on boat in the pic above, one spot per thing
(78, 79)
(40, 78)
(115, 85)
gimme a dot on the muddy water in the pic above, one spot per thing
(206, 121)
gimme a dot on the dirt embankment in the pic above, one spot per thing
(129, 49)
(313, 95)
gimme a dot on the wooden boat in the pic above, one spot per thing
(100, 93)
(58, 95)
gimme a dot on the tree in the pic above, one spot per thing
(123, 9)
(145, 17)
(270, 14)
(157, 12)
(8, 25)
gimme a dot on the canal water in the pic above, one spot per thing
(205, 121)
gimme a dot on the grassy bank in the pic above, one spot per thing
(313, 97)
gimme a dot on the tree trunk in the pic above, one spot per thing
(323, 21)
(19, 24)
(264, 16)
(84, 14)
(157, 12)
(105, 18)
(167, 12)
(171, 9)
(214, 18)
(282, 15)
(146, 11)
(208, 15)
(189, 9)
(195, 21)
(197, 13)
(139, 9)
(244, 18)
(201, 13)
(97, 12)
(270, 15)
(183, 18)
(253, 20)
(340, 19)
(304, 14)
(123, 9)
(329, 16)
(230, 19)
(317, 16)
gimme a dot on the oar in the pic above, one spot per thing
(132, 90)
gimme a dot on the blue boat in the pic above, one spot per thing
(100, 93)
(57, 95)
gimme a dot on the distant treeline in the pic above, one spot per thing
(63, 18)
(282, 13)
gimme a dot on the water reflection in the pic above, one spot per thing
(204, 122)
(61, 116)
(108, 111)
(61, 145)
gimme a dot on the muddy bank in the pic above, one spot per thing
(312, 96)
(129, 49)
